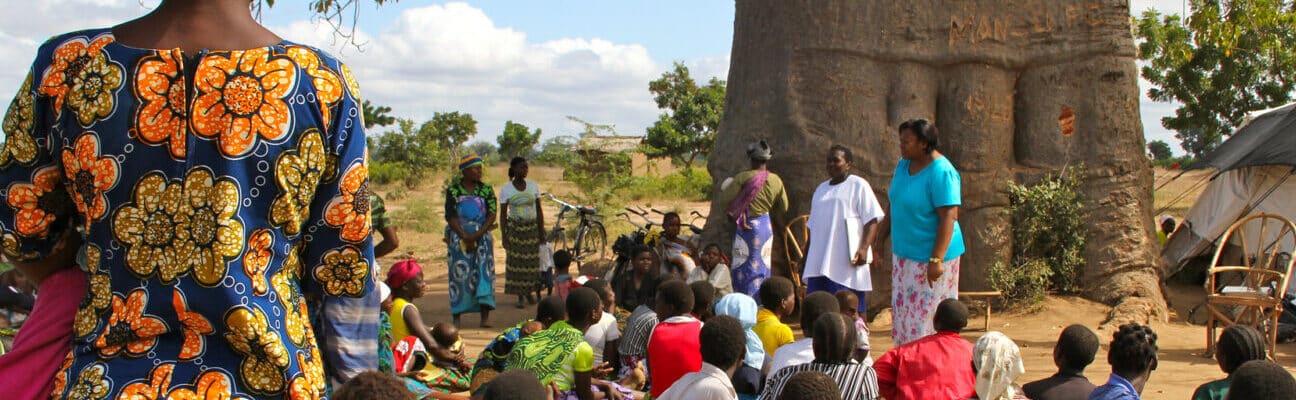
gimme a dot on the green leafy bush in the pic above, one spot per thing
(692, 184)
(1048, 240)
(383, 173)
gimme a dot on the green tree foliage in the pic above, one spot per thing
(558, 151)
(451, 130)
(486, 150)
(376, 115)
(688, 129)
(1048, 239)
(517, 140)
(1229, 57)
(1160, 150)
(412, 149)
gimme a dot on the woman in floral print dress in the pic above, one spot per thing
(214, 191)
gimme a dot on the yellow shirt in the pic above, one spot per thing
(397, 317)
(772, 332)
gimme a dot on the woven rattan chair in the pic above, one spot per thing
(795, 237)
(1251, 293)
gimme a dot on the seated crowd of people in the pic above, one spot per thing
(649, 338)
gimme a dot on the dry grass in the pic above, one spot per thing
(1176, 195)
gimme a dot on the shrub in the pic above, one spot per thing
(383, 173)
(1048, 240)
(693, 184)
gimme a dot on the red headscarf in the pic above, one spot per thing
(402, 272)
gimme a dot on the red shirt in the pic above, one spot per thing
(936, 367)
(674, 350)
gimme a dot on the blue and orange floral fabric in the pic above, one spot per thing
(216, 192)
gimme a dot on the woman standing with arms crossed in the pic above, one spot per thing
(522, 227)
(470, 216)
(926, 241)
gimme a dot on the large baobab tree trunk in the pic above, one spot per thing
(1019, 89)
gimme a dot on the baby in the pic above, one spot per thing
(447, 337)
(531, 327)
(848, 302)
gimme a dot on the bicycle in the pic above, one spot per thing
(590, 242)
(645, 235)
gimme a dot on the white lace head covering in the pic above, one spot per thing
(998, 363)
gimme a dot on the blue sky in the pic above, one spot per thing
(675, 29)
(533, 62)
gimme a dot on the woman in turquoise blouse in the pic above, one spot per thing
(926, 241)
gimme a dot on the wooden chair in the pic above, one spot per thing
(795, 237)
(1251, 293)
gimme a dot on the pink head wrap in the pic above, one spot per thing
(402, 272)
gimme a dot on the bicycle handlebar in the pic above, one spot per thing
(563, 204)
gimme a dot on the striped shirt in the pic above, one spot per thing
(857, 381)
(639, 327)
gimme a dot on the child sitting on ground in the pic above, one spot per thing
(848, 301)
(1237, 344)
(604, 336)
(1074, 351)
(563, 283)
(713, 270)
(673, 348)
(703, 300)
(777, 301)
(561, 357)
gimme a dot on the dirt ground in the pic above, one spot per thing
(1181, 368)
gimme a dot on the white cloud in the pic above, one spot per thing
(453, 58)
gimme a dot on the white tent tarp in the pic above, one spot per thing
(1230, 196)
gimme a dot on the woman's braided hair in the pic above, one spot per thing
(1237, 345)
(1133, 350)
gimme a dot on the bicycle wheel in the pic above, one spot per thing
(592, 242)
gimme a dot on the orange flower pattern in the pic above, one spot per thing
(129, 328)
(61, 377)
(38, 202)
(241, 97)
(195, 328)
(210, 385)
(162, 117)
(328, 87)
(91, 175)
(350, 211)
(257, 258)
(83, 78)
(200, 190)
(19, 145)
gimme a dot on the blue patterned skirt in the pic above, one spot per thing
(752, 249)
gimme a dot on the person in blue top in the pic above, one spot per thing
(1133, 357)
(926, 241)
